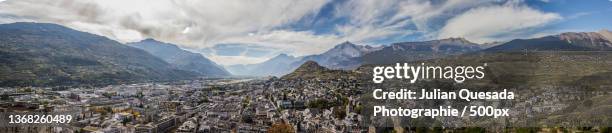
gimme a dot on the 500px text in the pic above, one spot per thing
(487, 111)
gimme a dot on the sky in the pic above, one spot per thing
(251, 31)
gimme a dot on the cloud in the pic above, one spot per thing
(374, 19)
(6, 18)
(234, 60)
(296, 43)
(492, 23)
(236, 49)
(208, 22)
(260, 46)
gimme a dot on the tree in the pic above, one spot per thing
(358, 109)
(6, 98)
(125, 121)
(246, 101)
(339, 112)
(320, 103)
(140, 94)
(282, 127)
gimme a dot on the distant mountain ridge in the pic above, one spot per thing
(42, 54)
(276, 66)
(569, 41)
(592, 40)
(180, 58)
(412, 51)
(342, 56)
(348, 56)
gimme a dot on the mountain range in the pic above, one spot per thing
(411, 51)
(276, 66)
(41, 54)
(347, 56)
(569, 41)
(342, 56)
(180, 58)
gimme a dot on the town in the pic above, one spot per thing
(206, 105)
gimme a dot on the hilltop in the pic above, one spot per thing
(312, 70)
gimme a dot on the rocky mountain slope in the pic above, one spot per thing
(342, 56)
(570, 41)
(411, 51)
(180, 58)
(41, 54)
